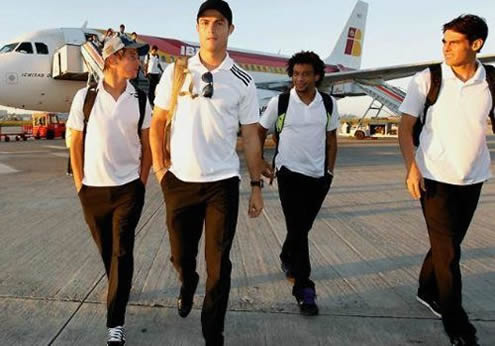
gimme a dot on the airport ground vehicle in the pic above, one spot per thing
(7, 133)
(47, 125)
(375, 128)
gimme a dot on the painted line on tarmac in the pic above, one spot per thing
(59, 147)
(4, 169)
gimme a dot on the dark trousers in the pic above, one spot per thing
(112, 214)
(190, 206)
(448, 210)
(153, 78)
(301, 197)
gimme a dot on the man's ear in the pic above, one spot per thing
(477, 44)
(231, 29)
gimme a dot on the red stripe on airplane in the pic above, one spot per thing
(173, 47)
(388, 92)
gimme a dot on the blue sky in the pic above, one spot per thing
(398, 32)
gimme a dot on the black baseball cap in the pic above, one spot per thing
(218, 5)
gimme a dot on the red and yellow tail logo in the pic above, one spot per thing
(353, 46)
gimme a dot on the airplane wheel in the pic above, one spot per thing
(359, 135)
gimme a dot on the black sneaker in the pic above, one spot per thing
(116, 336)
(185, 300)
(464, 341)
(307, 302)
(286, 269)
(430, 303)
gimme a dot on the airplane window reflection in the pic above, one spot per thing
(25, 47)
(41, 48)
(8, 48)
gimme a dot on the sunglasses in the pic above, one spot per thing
(208, 89)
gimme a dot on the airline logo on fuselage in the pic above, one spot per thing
(353, 46)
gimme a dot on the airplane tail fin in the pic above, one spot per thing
(349, 47)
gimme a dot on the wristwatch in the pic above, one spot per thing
(329, 172)
(257, 183)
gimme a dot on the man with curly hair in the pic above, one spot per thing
(305, 122)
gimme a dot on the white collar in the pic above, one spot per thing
(226, 64)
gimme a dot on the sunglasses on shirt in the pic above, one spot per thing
(208, 88)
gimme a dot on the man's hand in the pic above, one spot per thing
(160, 174)
(255, 202)
(266, 170)
(415, 182)
(79, 186)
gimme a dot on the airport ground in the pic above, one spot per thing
(367, 245)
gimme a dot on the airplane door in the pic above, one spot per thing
(74, 36)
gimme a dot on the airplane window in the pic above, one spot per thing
(8, 48)
(41, 48)
(25, 47)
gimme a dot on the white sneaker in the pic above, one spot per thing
(116, 336)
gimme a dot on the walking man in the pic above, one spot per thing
(153, 70)
(197, 165)
(304, 121)
(111, 159)
(453, 101)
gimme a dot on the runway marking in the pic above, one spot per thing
(23, 152)
(4, 169)
(66, 155)
(55, 147)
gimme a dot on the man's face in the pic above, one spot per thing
(126, 63)
(213, 30)
(154, 51)
(304, 77)
(134, 37)
(457, 50)
(122, 29)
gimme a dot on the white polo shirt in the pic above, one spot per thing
(112, 153)
(204, 130)
(153, 64)
(303, 138)
(453, 147)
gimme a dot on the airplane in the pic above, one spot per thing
(43, 70)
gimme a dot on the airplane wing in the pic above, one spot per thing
(382, 73)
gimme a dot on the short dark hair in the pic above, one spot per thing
(309, 58)
(122, 25)
(134, 33)
(154, 47)
(473, 27)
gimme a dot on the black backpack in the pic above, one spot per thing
(283, 105)
(89, 102)
(431, 98)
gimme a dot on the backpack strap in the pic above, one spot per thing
(490, 79)
(283, 105)
(142, 99)
(431, 99)
(179, 77)
(89, 102)
(327, 101)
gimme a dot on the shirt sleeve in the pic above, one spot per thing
(269, 116)
(147, 116)
(76, 114)
(163, 91)
(417, 90)
(249, 108)
(335, 118)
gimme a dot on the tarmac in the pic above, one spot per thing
(366, 246)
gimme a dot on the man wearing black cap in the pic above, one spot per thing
(200, 182)
(111, 159)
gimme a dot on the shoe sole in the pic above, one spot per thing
(425, 303)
